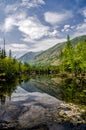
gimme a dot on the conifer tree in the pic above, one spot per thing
(67, 55)
(10, 54)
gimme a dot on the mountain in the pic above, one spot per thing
(51, 55)
(28, 56)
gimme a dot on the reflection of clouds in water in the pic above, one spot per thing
(19, 94)
(24, 97)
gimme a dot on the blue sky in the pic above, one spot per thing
(35, 25)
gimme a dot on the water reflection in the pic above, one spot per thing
(6, 89)
(70, 90)
(74, 90)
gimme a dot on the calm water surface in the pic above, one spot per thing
(68, 89)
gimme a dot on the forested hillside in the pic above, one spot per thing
(50, 56)
(73, 58)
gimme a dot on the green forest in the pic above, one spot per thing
(72, 61)
(9, 66)
(73, 58)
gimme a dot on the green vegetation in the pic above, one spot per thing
(74, 90)
(50, 56)
(73, 59)
(9, 66)
(71, 66)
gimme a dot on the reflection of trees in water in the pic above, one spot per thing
(6, 89)
(2, 99)
(74, 90)
(67, 89)
(48, 84)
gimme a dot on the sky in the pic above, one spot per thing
(36, 25)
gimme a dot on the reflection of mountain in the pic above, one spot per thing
(49, 86)
(50, 56)
(30, 86)
(68, 89)
(43, 84)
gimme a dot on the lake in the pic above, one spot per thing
(68, 89)
(35, 100)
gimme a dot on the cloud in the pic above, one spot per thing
(32, 3)
(85, 20)
(45, 44)
(80, 30)
(32, 28)
(53, 33)
(9, 23)
(10, 8)
(67, 28)
(84, 12)
(17, 49)
(20, 49)
(1, 39)
(18, 46)
(34, 33)
(18, 17)
(57, 17)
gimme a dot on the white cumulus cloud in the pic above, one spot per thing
(9, 23)
(67, 28)
(29, 26)
(56, 17)
(32, 28)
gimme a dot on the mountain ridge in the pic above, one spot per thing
(51, 55)
(27, 57)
